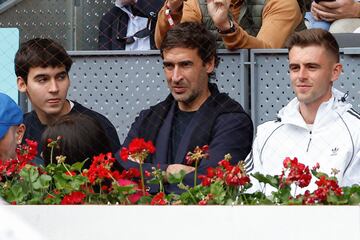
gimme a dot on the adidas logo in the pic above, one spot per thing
(334, 151)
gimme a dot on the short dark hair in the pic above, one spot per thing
(194, 36)
(81, 137)
(40, 52)
(315, 36)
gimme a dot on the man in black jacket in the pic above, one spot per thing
(129, 25)
(42, 67)
(194, 114)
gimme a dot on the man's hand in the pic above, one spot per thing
(174, 5)
(175, 168)
(339, 9)
(218, 11)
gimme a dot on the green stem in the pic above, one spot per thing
(30, 184)
(51, 154)
(161, 185)
(66, 169)
(100, 189)
(192, 196)
(142, 179)
(244, 197)
(111, 176)
(195, 174)
(50, 194)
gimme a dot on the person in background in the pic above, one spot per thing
(129, 25)
(42, 68)
(337, 16)
(238, 23)
(79, 137)
(194, 114)
(11, 127)
(318, 125)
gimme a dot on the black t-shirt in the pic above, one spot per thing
(34, 128)
(181, 121)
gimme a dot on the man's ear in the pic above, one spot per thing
(337, 69)
(20, 133)
(210, 66)
(21, 84)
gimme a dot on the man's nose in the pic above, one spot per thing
(303, 73)
(176, 74)
(53, 86)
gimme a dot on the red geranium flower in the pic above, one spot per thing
(73, 198)
(198, 154)
(159, 199)
(297, 173)
(137, 150)
(124, 154)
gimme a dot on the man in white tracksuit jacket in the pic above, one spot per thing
(317, 126)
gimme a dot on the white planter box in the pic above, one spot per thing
(188, 222)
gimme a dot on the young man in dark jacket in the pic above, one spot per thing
(42, 67)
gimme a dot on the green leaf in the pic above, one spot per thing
(177, 177)
(29, 173)
(43, 182)
(218, 192)
(267, 179)
(295, 201)
(282, 195)
(318, 174)
(145, 200)
(332, 199)
(153, 181)
(78, 166)
(60, 182)
(258, 198)
(36, 198)
(354, 198)
(77, 181)
(16, 194)
(128, 189)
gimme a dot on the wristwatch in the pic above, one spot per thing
(230, 30)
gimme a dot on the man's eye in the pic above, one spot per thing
(168, 66)
(186, 64)
(61, 77)
(312, 67)
(294, 68)
(41, 80)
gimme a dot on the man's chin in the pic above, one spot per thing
(54, 112)
(178, 97)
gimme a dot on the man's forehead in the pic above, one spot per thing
(180, 50)
(307, 53)
(312, 47)
(47, 69)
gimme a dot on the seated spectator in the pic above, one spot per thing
(81, 137)
(318, 125)
(194, 114)
(338, 16)
(42, 67)
(129, 25)
(240, 23)
(11, 127)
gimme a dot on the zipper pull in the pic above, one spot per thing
(308, 146)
